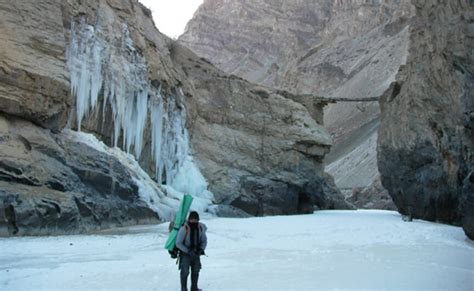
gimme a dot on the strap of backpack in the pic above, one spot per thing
(186, 227)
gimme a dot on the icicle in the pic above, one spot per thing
(189, 179)
(84, 63)
(176, 162)
(123, 74)
(157, 136)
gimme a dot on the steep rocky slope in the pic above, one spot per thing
(326, 48)
(425, 146)
(260, 151)
(263, 40)
(416, 54)
(102, 67)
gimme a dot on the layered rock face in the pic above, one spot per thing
(426, 138)
(52, 183)
(416, 54)
(102, 67)
(284, 176)
(261, 151)
(263, 40)
(255, 39)
(326, 48)
(35, 83)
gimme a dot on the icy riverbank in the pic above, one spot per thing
(326, 250)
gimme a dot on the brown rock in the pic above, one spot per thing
(260, 151)
(327, 48)
(247, 142)
(34, 81)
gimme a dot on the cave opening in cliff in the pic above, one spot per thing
(305, 204)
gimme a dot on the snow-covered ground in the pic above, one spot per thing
(326, 250)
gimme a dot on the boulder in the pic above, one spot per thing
(374, 196)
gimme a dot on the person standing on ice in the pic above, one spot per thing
(191, 241)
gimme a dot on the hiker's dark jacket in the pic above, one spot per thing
(183, 240)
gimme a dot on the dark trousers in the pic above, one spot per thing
(186, 262)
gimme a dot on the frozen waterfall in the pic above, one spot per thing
(170, 148)
(122, 74)
(116, 73)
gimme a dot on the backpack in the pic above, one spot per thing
(174, 253)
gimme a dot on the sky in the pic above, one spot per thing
(171, 16)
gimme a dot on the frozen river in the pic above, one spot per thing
(326, 250)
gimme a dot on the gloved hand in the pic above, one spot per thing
(202, 253)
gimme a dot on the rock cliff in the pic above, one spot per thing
(56, 183)
(327, 48)
(102, 67)
(34, 78)
(261, 151)
(416, 54)
(425, 146)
